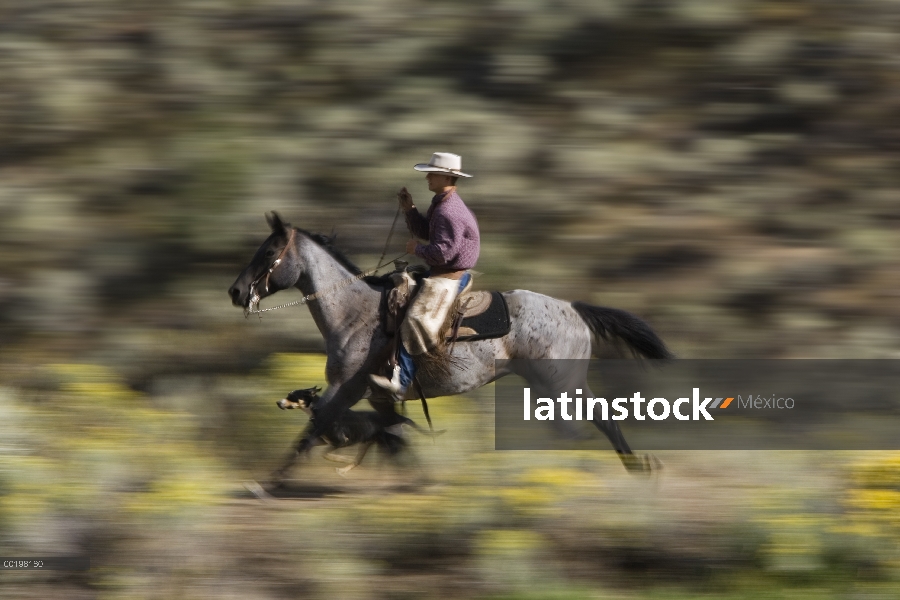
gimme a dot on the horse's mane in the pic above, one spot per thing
(327, 243)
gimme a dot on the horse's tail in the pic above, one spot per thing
(612, 324)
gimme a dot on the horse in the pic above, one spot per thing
(344, 304)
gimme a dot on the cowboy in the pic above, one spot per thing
(453, 244)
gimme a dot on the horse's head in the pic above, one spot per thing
(271, 269)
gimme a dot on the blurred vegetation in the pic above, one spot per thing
(726, 170)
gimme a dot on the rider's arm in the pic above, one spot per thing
(438, 250)
(418, 225)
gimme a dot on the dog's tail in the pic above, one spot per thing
(614, 325)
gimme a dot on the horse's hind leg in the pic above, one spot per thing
(547, 378)
(634, 463)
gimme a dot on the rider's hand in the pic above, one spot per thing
(411, 246)
(406, 201)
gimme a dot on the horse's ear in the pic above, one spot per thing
(275, 222)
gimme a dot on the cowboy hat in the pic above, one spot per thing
(443, 162)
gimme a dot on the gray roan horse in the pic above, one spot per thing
(346, 311)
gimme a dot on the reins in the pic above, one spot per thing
(254, 298)
(311, 297)
(388, 242)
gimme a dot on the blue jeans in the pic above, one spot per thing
(407, 366)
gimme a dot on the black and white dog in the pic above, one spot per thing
(363, 427)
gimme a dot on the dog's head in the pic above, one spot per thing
(302, 399)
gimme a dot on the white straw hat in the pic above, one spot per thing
(443, 162)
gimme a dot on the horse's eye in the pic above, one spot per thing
(270, 253)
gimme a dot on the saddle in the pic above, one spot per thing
(480, 315)
(475, 315)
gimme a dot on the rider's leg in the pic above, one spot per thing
(401, 375)
(420, 329)
(407, 365)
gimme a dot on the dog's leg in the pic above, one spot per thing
(301, 448)
(363, 448)
(333, 457)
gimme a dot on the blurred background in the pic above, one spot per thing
(726, 170)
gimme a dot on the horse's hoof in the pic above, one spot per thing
(276, 481)
(259, 491)
(643, 464)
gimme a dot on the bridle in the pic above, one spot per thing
(252, 307)
(254, 295)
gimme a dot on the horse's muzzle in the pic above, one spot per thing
(235, 294)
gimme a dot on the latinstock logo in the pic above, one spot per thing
(699, 404)
(658, 409)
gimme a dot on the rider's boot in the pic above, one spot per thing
(392, 385)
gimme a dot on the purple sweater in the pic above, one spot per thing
(451, 231)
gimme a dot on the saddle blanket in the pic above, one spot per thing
(485, 316)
